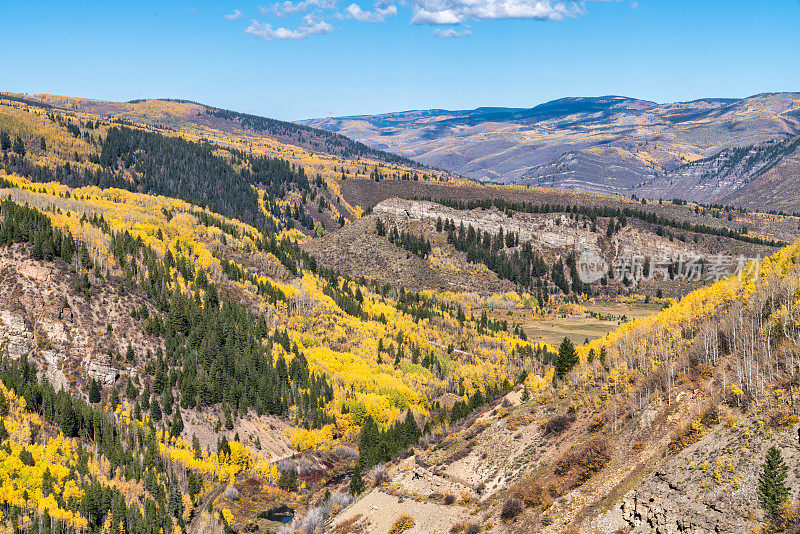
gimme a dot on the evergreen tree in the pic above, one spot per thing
(287, 480)
(19, 146)
(155, 411)
(566, 359)
(356, 483)
(368, 441)
(410, 428)
(68, 421)
(94, 391)
(772, 490)
(177, 424)
(130, 390)
(198, 453)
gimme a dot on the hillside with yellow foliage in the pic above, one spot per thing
(177, 352)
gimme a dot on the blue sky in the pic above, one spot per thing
(326, 57)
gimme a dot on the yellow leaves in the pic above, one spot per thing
(18, 479)
(314, 439)
(240, 456)
(188, 507)
(227, 515)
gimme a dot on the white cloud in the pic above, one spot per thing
(458, 11)
(290, 8)
(310, 26)
(451, 33)
(426, 12)
(380, 14)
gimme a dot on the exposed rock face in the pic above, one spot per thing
(539, 228)
(102, 370)
(555, 232)
(357, 250)
(709, 487)
(64, 331)
(15, 333)
(671, 512)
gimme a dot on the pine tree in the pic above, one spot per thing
(94, 391)
(19, 146)
(356, 483)
(155, 411)
(410, 429)
(198, 453)
(130, 390)
(772, 490)
(68, 421)
(177, 424)
(368, 442)
(567, 358)
(287, 480)
(228, 418)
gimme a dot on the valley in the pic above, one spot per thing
(215, 322)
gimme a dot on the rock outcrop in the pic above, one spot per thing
(101, 370)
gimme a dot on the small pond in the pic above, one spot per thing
(281, 514)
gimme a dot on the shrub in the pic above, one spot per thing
(511, 509)
(449, 499)
(558, 424)
(517, 420)
(789, 518)
(782, 417)
(344, 452)
(597, 423)
(379, 476)
(231, 493)
(403, 523)
(585, 461)
(465, 528)
(694, 431)
(532, 495)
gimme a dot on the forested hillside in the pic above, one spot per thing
(184, 347)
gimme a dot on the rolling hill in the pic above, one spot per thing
(606, 144)
(762, 176)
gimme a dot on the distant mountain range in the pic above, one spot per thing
(716, 148)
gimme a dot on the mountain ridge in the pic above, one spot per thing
(605, 144)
